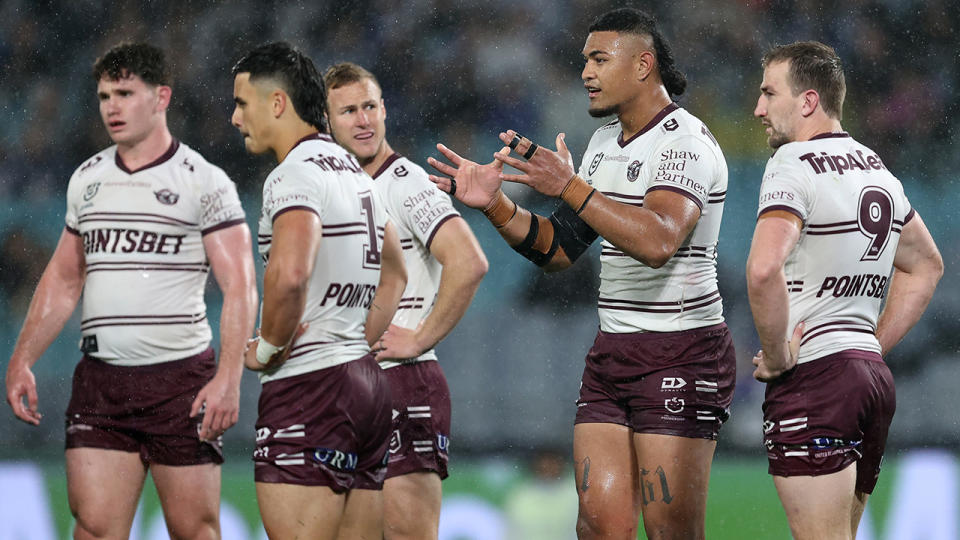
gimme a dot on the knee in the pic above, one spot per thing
(90, 525)
(664, 526)
(203, 527)
(597, 522)
(398, 526)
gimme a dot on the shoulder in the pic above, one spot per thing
(97, 163)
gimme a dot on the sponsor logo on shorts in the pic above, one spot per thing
(337, 459)
(443, 442)
(263, 452)
(674, 405)
(672, 383)
(263, 434)
(768, 425)
(633, 171)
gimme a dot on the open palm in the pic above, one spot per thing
(476, 185)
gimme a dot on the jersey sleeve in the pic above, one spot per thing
(419, 205)
(786, 187)
(291, 188)
(72, 219)
(685, 165)
(219, 203)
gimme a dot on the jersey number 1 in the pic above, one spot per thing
(371, 251)
(875, 219)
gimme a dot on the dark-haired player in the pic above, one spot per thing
(331, 259)
(146, 221)
(445, 266)
(833, 223)
(659, 379)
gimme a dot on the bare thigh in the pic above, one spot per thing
(293, 511)
(411, 506)
(190, 497)
(821, 507)
(362, 515)
(103, 487)
(674, 475)
(606, 478)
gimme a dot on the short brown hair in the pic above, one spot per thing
(816, 66)
(126, 59)
(346, 73)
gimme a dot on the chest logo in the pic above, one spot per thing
(595, 163)
(633, 171)
(167, 197)
(91, 191)
(671, 125)
(401, 171)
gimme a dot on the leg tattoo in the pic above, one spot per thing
(585, 481)
(647, 487)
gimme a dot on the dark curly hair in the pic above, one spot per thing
(634, 21)
(296, 74)
(126, 59)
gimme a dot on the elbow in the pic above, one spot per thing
(660, 255)
(478, 267)
(760, 273)
(288, 281)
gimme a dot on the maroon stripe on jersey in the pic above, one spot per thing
(146, 263)
(390, 159)
(437, 228)
(346, 233)
(837, 135)
(785, 208)
(680, 191)
(909, 216)
(222, 225)
(809, 331)
(622, 195)
(289, 208)
(174, 146)
(108, 216)
(71, 230)
(167, 323)
(181, 316)
(807, 338)
(151, 268)
(674, 303)
(832, 225)
(656, 119)
(311, 137)
(662, 310)
(827, 233)
(343, 225)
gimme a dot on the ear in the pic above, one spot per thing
(811, 100)
(645, 62)
(278, 103)
(163, 97)
(383, 108)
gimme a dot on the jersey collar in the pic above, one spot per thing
(174, 146)
(656, 119)
(389, 161)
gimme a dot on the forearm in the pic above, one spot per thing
(384, 306)
(908, 297)
(642, 234)
(459, 281)
(284, 301)
(237, 319)
(515, 225)
(51, 307)
(769, 303)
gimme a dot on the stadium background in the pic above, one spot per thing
(459, 72)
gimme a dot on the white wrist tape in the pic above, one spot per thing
(266, 350)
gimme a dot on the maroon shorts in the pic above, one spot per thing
(823, 415)
(671, 383)
(328, 428)
(142, 409)
(421, 419)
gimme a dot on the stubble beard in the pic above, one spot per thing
(601, 112)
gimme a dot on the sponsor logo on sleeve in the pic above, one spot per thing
(187, 165)
(91, 163)
(672, 167)
(671, 124)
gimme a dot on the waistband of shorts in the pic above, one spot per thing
(325, 370)
(846, 354)
(203, 356)
(653, 336)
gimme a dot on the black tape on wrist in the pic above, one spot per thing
(570, 232)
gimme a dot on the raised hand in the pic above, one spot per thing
(545, 170)
(472, 184)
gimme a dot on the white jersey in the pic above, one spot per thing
(853, 210)
(146, 268)
(418, 209)
(320, 176)
(673, 152)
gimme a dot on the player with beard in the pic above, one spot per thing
(147, 219)
(445, 265)
(334, 275)
(833, 223)
(659, 378)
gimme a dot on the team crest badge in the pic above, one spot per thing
(167, 197)
(633, 171)
(595, 163)
(91, 191)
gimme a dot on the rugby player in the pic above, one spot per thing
(659, 378)
(146, 220)
(333, 263)
(445, 265)
(833, 223)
